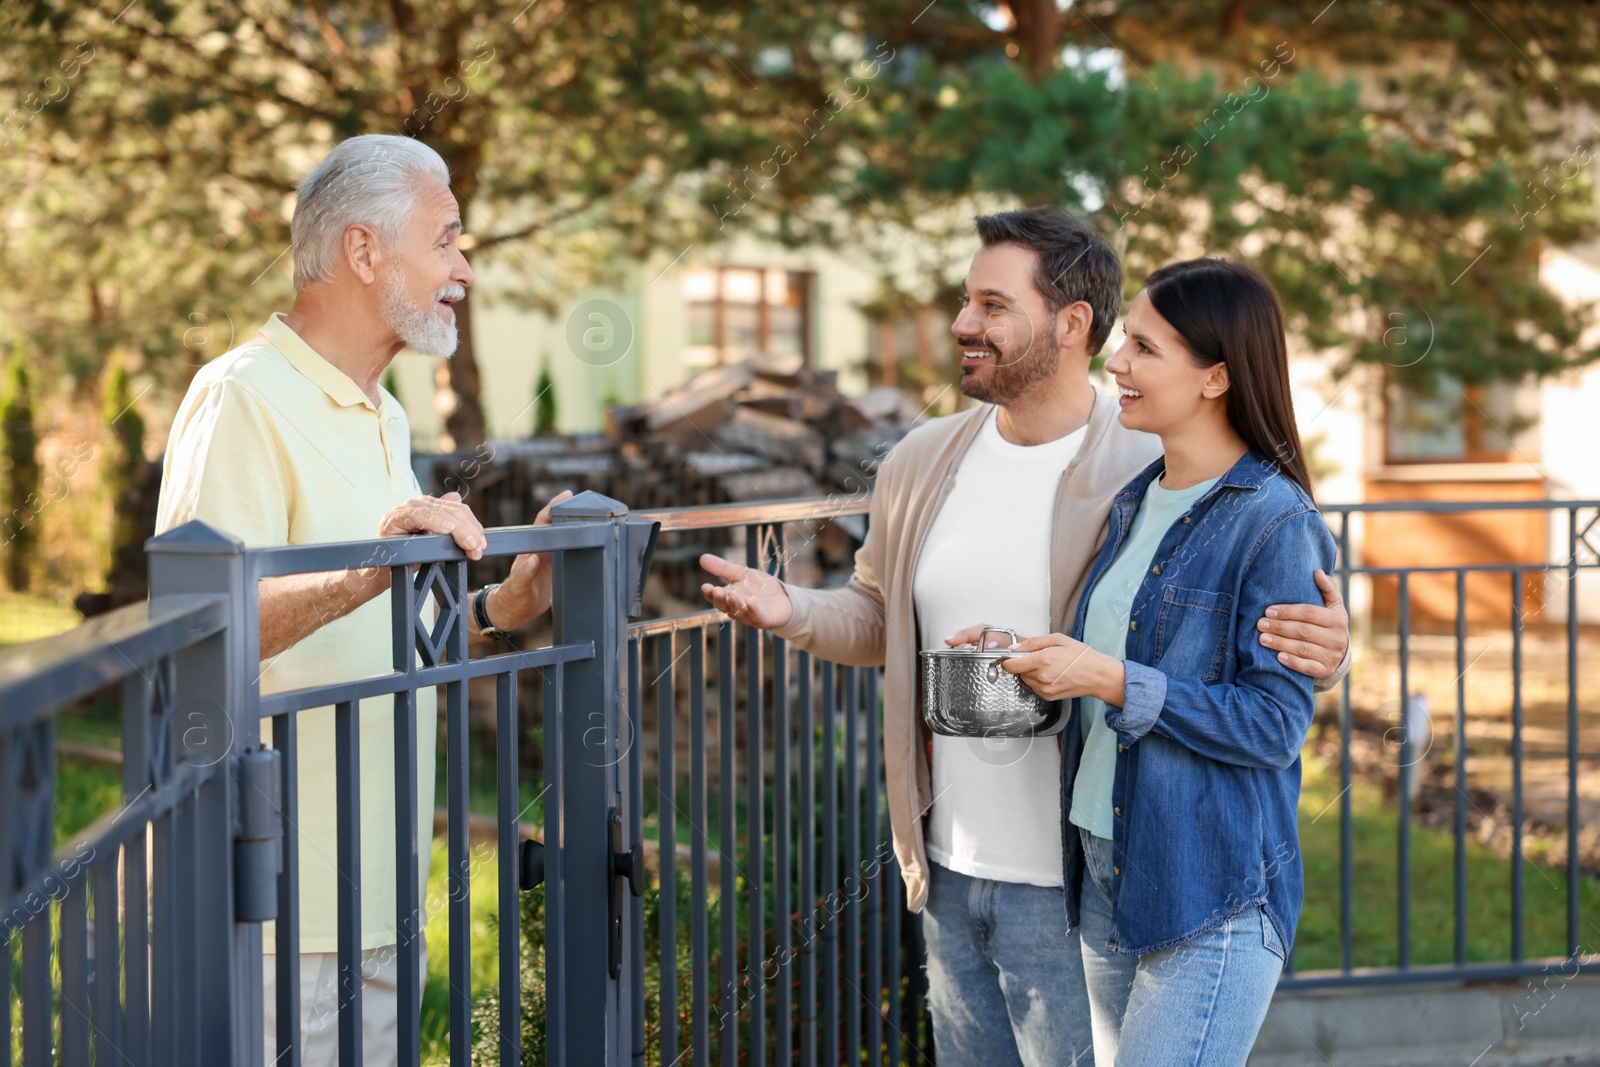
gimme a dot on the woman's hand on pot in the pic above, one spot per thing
(1058, 667)
(968, 638)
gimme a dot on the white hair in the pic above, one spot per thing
(373, 180)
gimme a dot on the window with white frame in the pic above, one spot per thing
(734, 312)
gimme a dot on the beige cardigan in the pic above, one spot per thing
(871, 621)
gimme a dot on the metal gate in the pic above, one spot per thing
(141, 939)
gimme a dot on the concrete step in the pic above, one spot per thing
(1551, 1019)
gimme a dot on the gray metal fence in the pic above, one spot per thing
(813, 957)
(1555, 580)
(778, 933)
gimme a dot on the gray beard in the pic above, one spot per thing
(420, 328)
(1011, 380)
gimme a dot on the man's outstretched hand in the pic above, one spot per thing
(751, 596)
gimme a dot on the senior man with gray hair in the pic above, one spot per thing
(289, 439)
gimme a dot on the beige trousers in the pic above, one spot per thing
(319, 1006)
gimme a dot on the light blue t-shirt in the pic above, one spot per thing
(1105, 629)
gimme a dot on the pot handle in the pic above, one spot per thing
(987, 630)
(993, 673)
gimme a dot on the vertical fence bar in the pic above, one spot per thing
(286, 740)
(805, 756)
(699, 988)
(459, 873)
(1460, 877)
(853, 993)
(7, 962)
(38, 1028)
(1516, 765)
(667, 843)
(74, 976)
(636, 833)
(347, 754)
(107, 962)
(755, 805)
(830, 868)
(1346, 828)
(510, 808)
(163, 988)
(552, 683)
(136, 949)
(407, 894)
(186, 892)
(872, 893)
(1404, 836)
(894, 906)
(1574, 868)
(895, 944)
(728, 850)
(782, 871)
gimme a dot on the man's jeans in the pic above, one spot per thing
(1005, 976)
(1200, 1002)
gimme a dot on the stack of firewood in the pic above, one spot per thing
(766, 428)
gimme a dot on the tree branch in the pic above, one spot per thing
(1416, 136)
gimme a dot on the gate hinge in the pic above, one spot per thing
(258, 841)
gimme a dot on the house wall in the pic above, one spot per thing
(511, 343)
(1569, 432)
(1340, 418)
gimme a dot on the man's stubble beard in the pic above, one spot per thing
(1007, 382)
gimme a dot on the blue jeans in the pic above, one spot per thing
(1197, 1003)
(1005, 975)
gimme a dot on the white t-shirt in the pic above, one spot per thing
(996, 801)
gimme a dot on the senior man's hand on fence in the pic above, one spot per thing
(437, 515)
(526, 593)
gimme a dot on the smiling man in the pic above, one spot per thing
(993, 516)
(289, 439)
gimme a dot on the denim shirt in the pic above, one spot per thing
(1208, 756)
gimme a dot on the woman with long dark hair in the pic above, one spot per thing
(1181, 766)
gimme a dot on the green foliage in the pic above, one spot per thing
(486, 1005)
(123, 467)
(544, 400)
(20, 441)
(1399, 204)
(1396, 169)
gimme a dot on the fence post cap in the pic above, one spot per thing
(588, 506)
(197, 538)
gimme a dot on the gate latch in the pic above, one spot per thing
(530, 864)
(626, 864)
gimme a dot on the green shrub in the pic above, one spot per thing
(123, 469)
(19, 439)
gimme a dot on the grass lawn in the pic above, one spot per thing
(1375, 886)
(28, 618)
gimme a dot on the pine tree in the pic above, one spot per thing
(123, 468)
(21, 504)
(544, 400)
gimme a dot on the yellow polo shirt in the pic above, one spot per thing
(276, 446)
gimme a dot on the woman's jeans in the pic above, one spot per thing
(1005, 975)
(1198, 1003)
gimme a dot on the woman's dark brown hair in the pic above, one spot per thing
(1226, 312)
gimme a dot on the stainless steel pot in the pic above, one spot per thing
(966, 693)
